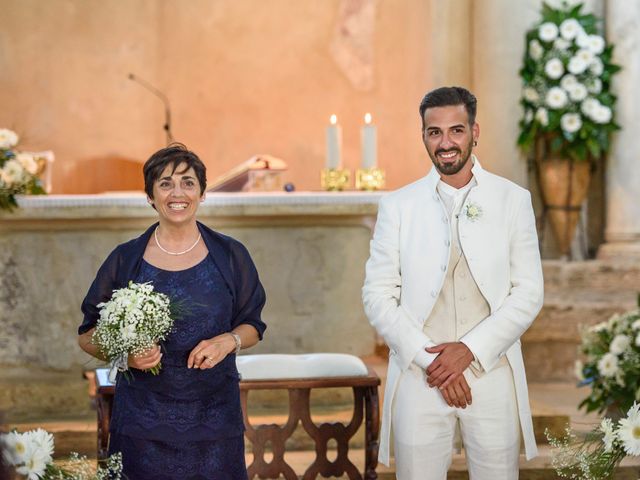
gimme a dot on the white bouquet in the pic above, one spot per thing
(31, 455)
(132, 322)
(596, 456)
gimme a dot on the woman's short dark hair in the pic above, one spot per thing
(447, 96)
(174, 155)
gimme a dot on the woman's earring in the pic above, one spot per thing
(475, 143)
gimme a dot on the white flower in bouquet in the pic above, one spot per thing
(638, 345)
(568, 81)
(554, 68)
(577, 65)
(606, 426)
(596, 67)
(13, 173)
(548, 31)
(535, 49)
(28, 162)
(34, 466)
(528, 115)
(636, 325)
(561, 44)
(8, 138)
(595, 43)
(571, 122)
(134, 320)
(578, 92)
(598, 327)
(585, 55)
(530, 94)
(594, 85)
(608, 365)
(570, 28)
(589, 106)
(629, 431)
(556, 98)
(602, 114)
(619, 344)
(542, 116)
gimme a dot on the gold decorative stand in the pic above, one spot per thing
(370, 179)
(334, 179)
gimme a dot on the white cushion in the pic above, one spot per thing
(274, 366)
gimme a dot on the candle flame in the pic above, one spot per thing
(333, 119)
(367, 118)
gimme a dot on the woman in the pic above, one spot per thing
(186, 422)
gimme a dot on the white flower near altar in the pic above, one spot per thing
(18, 171)
(570, 29)
(556, 98)
(554, 68)
(548, 31)
(134, 320)
(571, 122)
(30, 454)
(608, 365)
(596, 455)
(619, 344)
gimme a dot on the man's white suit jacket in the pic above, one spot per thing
(407, 266)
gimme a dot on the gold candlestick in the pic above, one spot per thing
(370, 178)
(334, 179)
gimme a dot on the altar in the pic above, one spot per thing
(310, 250)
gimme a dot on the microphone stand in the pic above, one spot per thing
(165, 101)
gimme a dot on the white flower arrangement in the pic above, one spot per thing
(596, 456)
(611, 364)
(31, 456)
(18, 171)
(566, 76)
(134, 320)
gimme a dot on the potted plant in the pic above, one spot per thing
(568, 109)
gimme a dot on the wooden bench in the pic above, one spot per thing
(261, 372)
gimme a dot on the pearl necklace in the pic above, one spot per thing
(155, 235)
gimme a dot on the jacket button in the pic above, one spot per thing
(443, 268)
(447, 243)
(434, 293)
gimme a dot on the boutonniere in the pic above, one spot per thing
(473, 211)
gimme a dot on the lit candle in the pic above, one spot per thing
(368, 139)
(334, 144)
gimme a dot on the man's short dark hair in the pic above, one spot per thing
(173, 155)
(447, 96)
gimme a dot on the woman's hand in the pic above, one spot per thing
(208, 353)
(147, 360)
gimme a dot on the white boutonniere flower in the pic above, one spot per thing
(473, 211)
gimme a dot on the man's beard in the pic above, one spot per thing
(451, 168)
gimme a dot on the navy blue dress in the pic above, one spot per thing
(183, 423)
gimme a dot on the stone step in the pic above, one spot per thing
(601, 275)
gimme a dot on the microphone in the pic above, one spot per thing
(165, 101)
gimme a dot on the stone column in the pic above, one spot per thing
(622, 232)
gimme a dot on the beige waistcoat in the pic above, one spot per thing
(460, 305)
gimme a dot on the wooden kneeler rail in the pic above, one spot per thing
(365, 407)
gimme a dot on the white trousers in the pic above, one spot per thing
(424, 427)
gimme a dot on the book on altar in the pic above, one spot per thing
(261, 173)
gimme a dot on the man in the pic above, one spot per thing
(453, 280)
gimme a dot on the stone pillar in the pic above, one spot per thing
(622, 232)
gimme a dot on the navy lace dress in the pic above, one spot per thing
(183, 423)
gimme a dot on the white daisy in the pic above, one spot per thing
(595, 43)
(606, 427)
(596, 67)
(528, 115)
(542, 116)
(561, 44)
(636, 325)
(28, 161)
(535, 49)
(554, 68)
(638, 340)
(577, 92)
(585, 55)
(577, 65)
(619, 344)
(568, 81)
(530, 94)
(571, 122)
(629, 431)
(608, 365)
(8, 138)
(548, 31)
(556, 97)
(594, 86)
(570, 28)
(589, 106)
(602, 114)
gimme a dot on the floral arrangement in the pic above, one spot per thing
(596, 456)
(612, 365)
(134, 320)
(18, 171)
(31, 455)
(566, 77)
